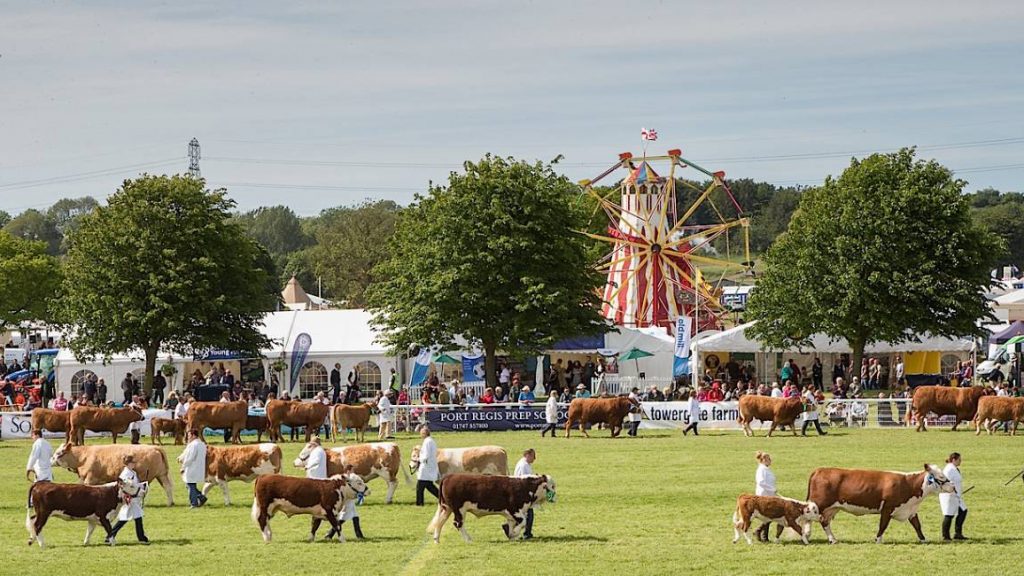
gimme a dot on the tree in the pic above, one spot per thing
(162, 268)
(350, 241)
(491, 257)
(28, 279)
(65, 212)
(34, 225)
(1007, 221)
(4, 218)
(886, 251)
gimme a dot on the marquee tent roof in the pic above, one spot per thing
(735, 340)
(1014, 329)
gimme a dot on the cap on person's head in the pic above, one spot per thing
(526, 388)
(580, 387)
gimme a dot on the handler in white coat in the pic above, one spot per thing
(39, 459)
(193, 468)
(953, 504)
(764, 485)
(316, 464)
(385, 416)
(427, 473)
(550, 414)
(634, 415)
(131, 507)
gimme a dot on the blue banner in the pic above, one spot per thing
(299, 352)
(492, 419)
(420, 368)
(681, 362)
(473, 368)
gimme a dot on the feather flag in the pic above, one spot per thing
(299, 351)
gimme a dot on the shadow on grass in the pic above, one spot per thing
(570, 538)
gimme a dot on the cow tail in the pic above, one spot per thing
(441, 506)
(810, 479)
(405, 472)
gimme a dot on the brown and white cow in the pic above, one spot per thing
(322, 499)
(475, 460)
(52, 420)
(356, 417)
(103, 463)
(607, 411)
(93, 504)
(945, 401)
(780, 411)
(218, 416)
(369, 461)
(160, 426)
(113, 420)
(294, 413)
(889, 494)
(482, 495)
(786, 512)
(227, 463)
(995, 409)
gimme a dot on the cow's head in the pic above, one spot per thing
(132, 490)
(414, 459)
(300, 462)
(545, 490)
(936, 481)
(351, 487)
(135, 413)
(62, 457)
(809, 514)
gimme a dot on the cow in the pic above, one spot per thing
(113, 420)
(607, 411)
(93, 504)
(890, 494)
(995, 409)
(369, 461)
(257, 424)
(322, 499)
(100, 464)
(346, 416)
(781, 412)
(293, 413)
(244, 463)
(482, 495)
(52, 420)
(218, 415)
(476, 460)
(786, 512)
(944, 401)
(160, 426)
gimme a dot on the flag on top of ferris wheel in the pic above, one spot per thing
(649, 134)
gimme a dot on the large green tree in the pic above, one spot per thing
(28, 279)
(278, 229)
(886, 251)
(1007, 221)
(163, 267)
(491, 256)
(34, 225)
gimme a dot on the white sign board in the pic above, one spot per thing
(716, 415)
(15, 425)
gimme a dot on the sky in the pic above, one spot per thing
(318, 104)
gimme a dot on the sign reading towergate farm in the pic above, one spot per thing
(717, 415)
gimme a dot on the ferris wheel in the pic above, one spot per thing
(662, 265)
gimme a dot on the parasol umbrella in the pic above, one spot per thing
(443, 359)
(635, 354)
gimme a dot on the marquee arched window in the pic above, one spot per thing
(312, 379)
(369, 376)
(78, 380)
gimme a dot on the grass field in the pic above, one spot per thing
(660, 504)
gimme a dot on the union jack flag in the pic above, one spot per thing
(649, 134)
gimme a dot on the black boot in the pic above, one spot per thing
(355, 526)
(135, 436)
(817, 426)
(947, 521)
(140, 532)
(803, 429)
(960, 517)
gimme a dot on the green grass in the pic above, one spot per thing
(661, 504)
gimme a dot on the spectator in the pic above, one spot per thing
(127, 386)
(336, 383)
(353, 384)
(838, 371)
(403, 396)
(89, 387)
(776, 391)
(60, 404)
(716, 394)
(817, 373)
(136, 427)
(875, 374)
(565, 396)
(172, 401)
(393, 383)
(526, 396)
(499, 395)
(504, 376)
(159, 385)
(470, 397)
(899, 371)
(582, 391)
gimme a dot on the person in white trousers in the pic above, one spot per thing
(385, 415)
(953, 505)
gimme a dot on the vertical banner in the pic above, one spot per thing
(419, 370)
(299, 352)
(681, 362)
(473, 367)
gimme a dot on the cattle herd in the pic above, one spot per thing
(472, 480)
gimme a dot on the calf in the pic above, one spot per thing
(345, 417)
(52, 420)
(995, 409)
(243, 463)
(481, 495)
(100, 464)
(607, 411)
(369, 461)
(113, 420)
(477, 459)
(161, 426)
(322, 499)
(774, 509)
(889, 494)
(780, 411)
(93, 504)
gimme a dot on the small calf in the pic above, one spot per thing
(785, 512)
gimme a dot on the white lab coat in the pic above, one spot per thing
(181, 410)
(694, 407)
(633, 416)
(764, 481)
(39, 460)
(523, 468)
(193, 462)
(384, 406)
(428, 461)
(812, 404)
(551, 410)
(133, 509)
(952, 503)
(316, 464)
